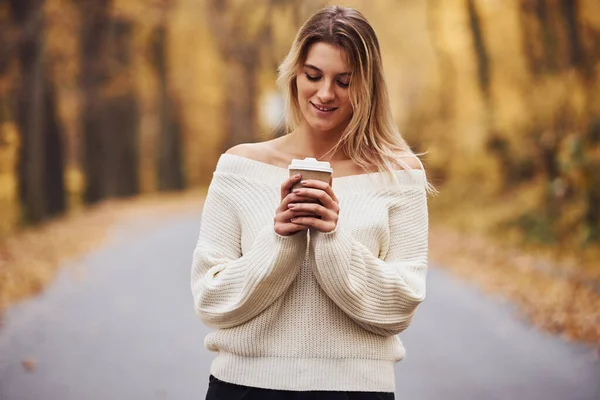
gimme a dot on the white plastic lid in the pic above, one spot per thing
(311, 164)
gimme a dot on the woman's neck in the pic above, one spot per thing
(305, 142)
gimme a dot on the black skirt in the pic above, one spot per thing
(219, 390)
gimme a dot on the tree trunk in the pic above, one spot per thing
(110, 112)
(41, 164)
(548, 36)
(54, 159)
(481, 53)
(496, 143)
(241, 56)
(121, 114)
(537, 29)
(120, 125)
(240, 104)
(94, 27)
(577, 57)
(446, 68)
(170, 160)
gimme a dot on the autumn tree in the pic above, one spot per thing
(110, 112)
(169, 151)
(41, 163)
(564, 143)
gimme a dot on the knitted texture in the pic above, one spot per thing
(311, 311)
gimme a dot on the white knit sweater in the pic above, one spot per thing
(311, 311)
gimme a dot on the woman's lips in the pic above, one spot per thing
(323, 110)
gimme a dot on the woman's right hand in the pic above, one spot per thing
(283, 215)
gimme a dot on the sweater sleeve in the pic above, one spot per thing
(230, 288)
(381, 295)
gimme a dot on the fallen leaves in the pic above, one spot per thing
(29, 365)
(29, 259)
(552, 297)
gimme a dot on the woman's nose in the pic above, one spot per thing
(325, 93)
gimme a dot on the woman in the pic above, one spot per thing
(307, 289)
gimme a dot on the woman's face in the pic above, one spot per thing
(323, 93)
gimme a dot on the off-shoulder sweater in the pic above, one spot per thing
(311, 311)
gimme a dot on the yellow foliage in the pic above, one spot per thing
(9, 151)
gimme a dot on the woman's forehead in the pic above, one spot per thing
(327, 58)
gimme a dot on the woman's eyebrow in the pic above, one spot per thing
(310, 66)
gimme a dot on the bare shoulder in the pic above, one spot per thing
(409, 159)
(248, 150)
(260, 151)
(244, 149)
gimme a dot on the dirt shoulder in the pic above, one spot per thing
(30, 259)
(552, 296)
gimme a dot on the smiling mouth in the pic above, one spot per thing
(324, 109)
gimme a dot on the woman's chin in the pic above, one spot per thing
(320, 127)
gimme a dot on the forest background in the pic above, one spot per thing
(122, 99)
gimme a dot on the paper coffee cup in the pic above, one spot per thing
(310, 168)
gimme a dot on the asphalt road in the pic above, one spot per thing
(119, 324)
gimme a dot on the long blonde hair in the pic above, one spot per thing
(371, 137)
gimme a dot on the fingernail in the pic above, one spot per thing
(296, 190)
(291, 205)
(297, 176)
(303, 182)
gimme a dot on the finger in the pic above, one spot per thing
(310, 208)
(326, 187)
(286, 186)
(319, 212)
(287, 229)
(286, 216)
(295, 198)
(319, 224)
(322, 196)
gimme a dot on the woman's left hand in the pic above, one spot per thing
(327, 208)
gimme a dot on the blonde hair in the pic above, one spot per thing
(371, 137)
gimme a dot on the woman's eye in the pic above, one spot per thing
(312, 78)
(343, 84)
